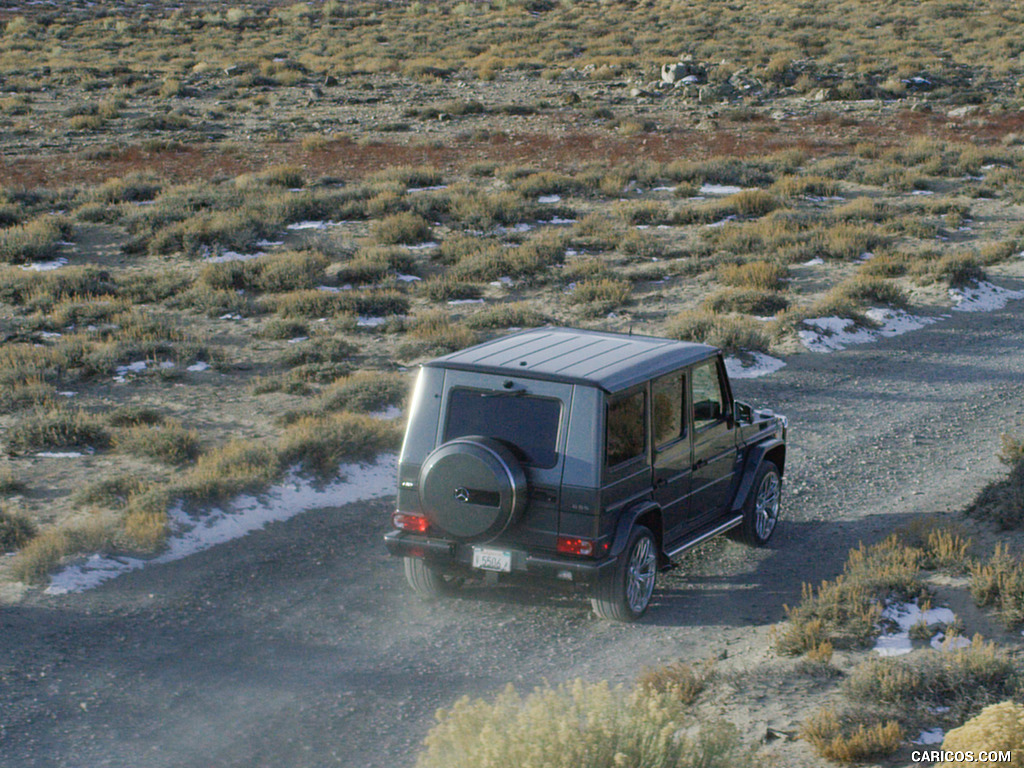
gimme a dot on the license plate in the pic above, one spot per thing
(492, 559)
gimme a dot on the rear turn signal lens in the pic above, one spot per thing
(570, 546)
(413, 523)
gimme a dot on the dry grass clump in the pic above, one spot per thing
(749, 301)
(169, 442)
(320, 443)
(845, 742)
(516, 314)
(577, 724)
(1002, 502)
(34, 561)
(478, 210)
(862, 289)
(405, 227)
(16, 530)
(433, 333)
(56, 429)
(528, 260)
(730, 332)
(229, 469)
(683, 681)
(35, 240)
(594, 298)
(799, 186)
(965, 680)
(372, 264)
(273, 273)
(760, 275)
(315, 303)
(845, 611)
(846, 242)
(890, 264)
(956, 270)
(999, 583)
(364, 391)
(998, 727)
(446, 288)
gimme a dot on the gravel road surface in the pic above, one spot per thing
(300, 645)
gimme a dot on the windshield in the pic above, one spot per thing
(529, 425)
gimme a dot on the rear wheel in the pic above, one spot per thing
(625, 593)
(428, 582)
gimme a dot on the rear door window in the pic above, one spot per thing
(626, 436)
(527, 424)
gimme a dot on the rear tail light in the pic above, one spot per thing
(566, 545)
(412, 523)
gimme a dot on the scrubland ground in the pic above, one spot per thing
(227, 234)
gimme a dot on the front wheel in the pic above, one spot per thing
(625, 593)
(428, 582)
(761, 510)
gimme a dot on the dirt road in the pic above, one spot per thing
(300, 645)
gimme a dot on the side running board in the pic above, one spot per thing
(729, 524)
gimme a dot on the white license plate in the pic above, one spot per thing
(492, 559)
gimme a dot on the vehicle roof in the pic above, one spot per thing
(611, 361)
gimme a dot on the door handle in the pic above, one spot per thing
(698, 464)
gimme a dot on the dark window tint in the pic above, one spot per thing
(707, 395)
(529, 425)
(625, 438)
(669, 423)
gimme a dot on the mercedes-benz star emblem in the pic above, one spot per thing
(462, 495)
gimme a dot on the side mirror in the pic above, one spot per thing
(742, 413)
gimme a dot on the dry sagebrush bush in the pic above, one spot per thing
(229, 469)
(16, 530)
(169, 442)
(34, 240)
(577, 724)
(997, 727)
(683, 681)
(760, 275)
(55, 429)
(845, 611)
(406, 227)
(320, 443)
(999, 583)
(598, 297)
(833, 739)
(729, 332)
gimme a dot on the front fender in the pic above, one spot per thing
(755, 455)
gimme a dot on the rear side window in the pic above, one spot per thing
(669, 420)
(626, 437)
(707, 395)
(528, 425)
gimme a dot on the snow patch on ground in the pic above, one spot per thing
(549, 199)
(934, 736)
(226, 256)
(314, 225)
(370, 322)
(719, 189)
(982, 297)
(762, 366)
(827, 334)
(243, 515)
(904, 616)
(45, 266)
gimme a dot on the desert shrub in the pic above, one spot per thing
(34, 240)
(957, 270)
(316, 303)
(373, 264)
(9, 483)
(546, 183)
(16, 530)
(512, 315)
(998, 727)
(863, 209)
(364, 391)
(893, 264)
(133, 188)
(446, 288)
(55, 429)
(750, 202)
(274, 273)
(25, 389)
(598, 297)
(760, 275)
(169, 442)
(728, 332)
(846, 241)
(750, 301)
(526, 260)
(407, 176)
(404, 227)
(479, 210)
(845, 611)
(844, 742)
(282, 328)
(797, 186)
(643, 212)
(684, 682)
(112, 492)
(133, 415)
(965, 679)
(433, 332)
(144, 525)
(1003, 501)
(870, 290)
(999, 583)
(320, 443)
(577, 724)
(229, 469)
(39, 556)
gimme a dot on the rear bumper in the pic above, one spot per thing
(456, 555)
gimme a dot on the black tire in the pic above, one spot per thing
(761, 509)
(428, 582)
(625, 593)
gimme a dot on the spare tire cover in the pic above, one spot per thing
(472, 487)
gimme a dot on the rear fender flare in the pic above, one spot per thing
(626, 522)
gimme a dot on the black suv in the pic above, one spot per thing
(590, 457)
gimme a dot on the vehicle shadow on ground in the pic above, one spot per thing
(723, 583)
